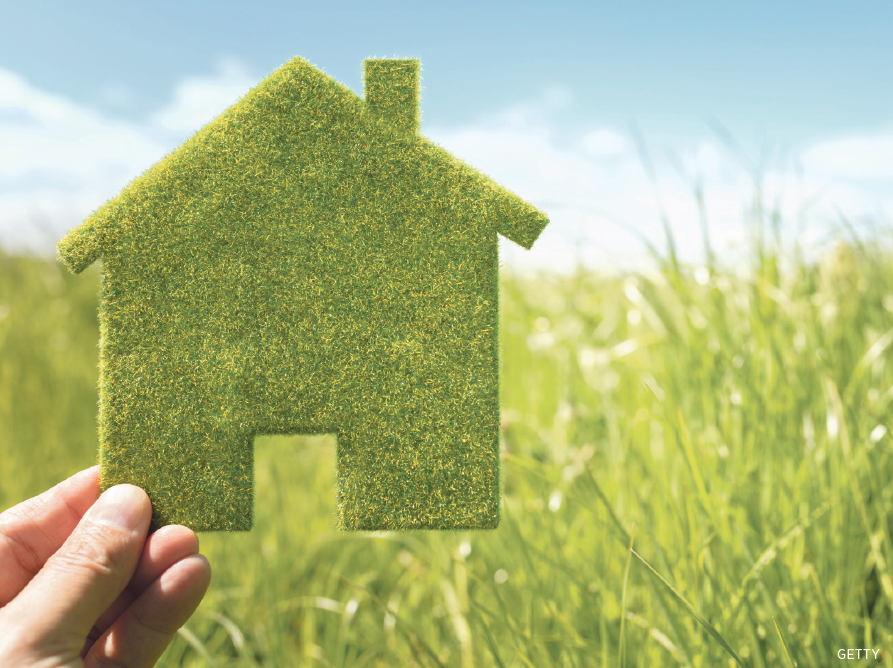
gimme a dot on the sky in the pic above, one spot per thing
(607, 116)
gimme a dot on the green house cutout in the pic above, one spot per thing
(306, 263)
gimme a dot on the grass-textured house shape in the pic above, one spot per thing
(306, 263)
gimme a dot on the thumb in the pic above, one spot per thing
(84, 577)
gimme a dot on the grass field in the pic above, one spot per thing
(696, 472)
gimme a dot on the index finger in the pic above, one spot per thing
(32, 531)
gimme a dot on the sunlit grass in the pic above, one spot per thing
(741, 424)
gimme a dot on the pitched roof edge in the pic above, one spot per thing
(511, 216)
(531, 222)
(87, 242)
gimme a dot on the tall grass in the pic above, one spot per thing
(741, 424)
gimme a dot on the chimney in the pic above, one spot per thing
(391, 91)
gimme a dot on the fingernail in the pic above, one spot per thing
(119, 506)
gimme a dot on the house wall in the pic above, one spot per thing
(370, 316)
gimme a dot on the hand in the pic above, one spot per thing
(77, 590)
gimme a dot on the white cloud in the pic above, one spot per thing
(599, 193)
(17, 95)
(605, 143)
(60, 161)
(42, 133)
(855, 157)
(706, 160)
(199, 100)
(117, 95)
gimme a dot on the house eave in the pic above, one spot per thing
(86, 243)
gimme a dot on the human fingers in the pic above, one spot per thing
(55, 611)
(34, 530)
(163, 548)
(141, 634)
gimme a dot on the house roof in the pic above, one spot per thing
(299, 100)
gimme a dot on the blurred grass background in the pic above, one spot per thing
(695, 472)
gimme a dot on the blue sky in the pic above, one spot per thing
(554, 100)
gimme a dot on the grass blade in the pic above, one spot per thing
(783, 643)
(874, 539)
(487, 635)
(693, 467)
(694, 613)
(623, 599)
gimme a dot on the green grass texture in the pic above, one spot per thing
(696, 473)
(306, 263)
